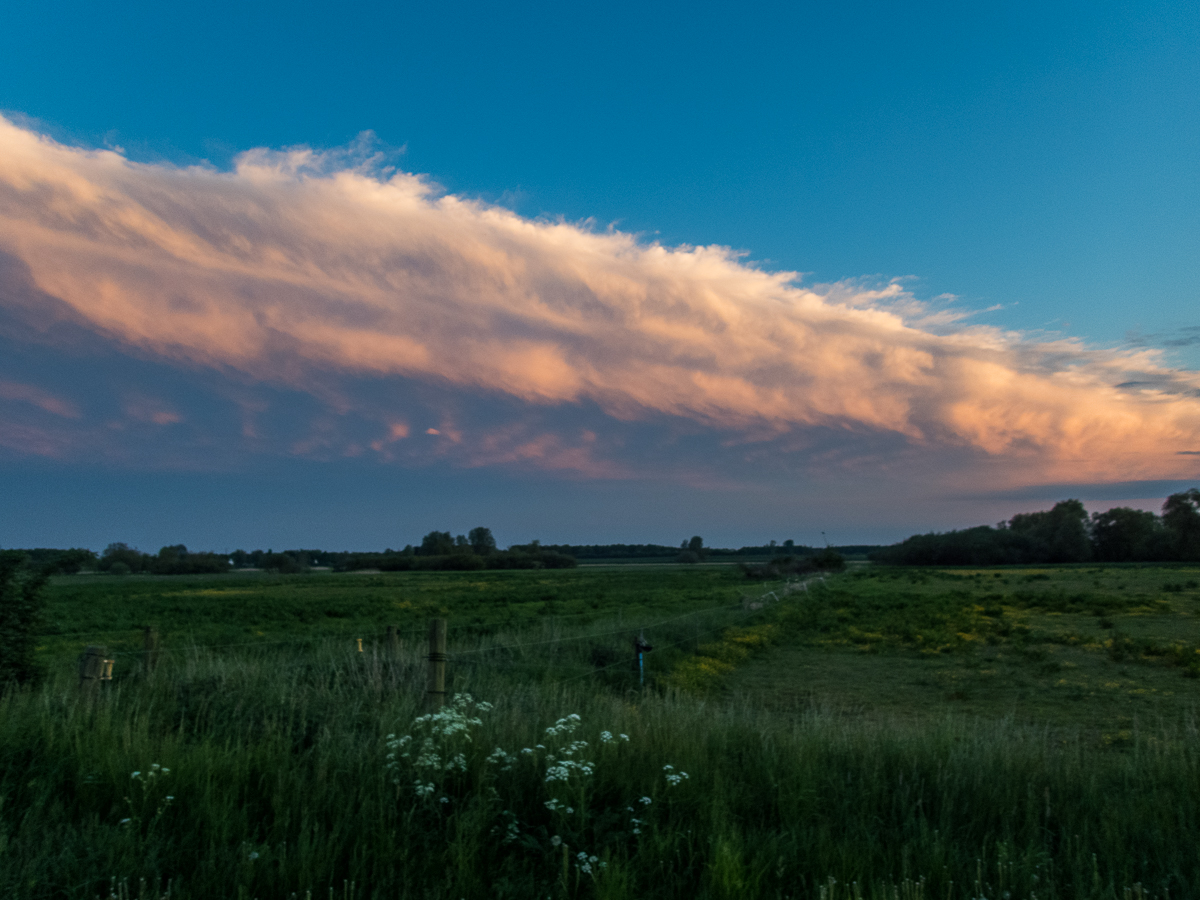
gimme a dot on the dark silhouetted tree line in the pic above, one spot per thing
(1064, 534)
(442, 551)
(60, 562)
(121, 559)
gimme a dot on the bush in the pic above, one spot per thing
(21, 603)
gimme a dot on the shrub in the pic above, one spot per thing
(21, 603)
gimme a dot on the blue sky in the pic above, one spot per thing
(1022, 180)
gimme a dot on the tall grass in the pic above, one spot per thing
(279, 779)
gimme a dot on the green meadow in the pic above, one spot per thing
(898, 733)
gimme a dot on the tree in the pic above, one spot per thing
(828, 560)
(1122, 534)
(482, 541)
(692, 551)
(437, 543)
(21, 602)
(1060, 535)
(1181, 516)
(125, 558)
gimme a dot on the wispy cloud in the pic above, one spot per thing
(301, 269)
(36, 396)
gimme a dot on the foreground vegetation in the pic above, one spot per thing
(962, 742)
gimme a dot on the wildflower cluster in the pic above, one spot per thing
(437, 746)
(565, 764)
(673, 777)
(564, 818)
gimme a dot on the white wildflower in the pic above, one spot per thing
(673, 778)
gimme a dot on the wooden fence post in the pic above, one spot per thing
(393, 641)
(435, 694)
(150, 646)
(93, 667)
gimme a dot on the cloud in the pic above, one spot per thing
(35, 396)
(306, 270)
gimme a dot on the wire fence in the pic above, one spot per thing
(487, 654)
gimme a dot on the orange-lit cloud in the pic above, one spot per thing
(289, 269)
(35, 396)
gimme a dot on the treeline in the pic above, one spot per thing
(437, 550)
(665, 551)
(1064, 534)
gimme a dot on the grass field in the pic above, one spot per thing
(1086, 647)
(886, 733)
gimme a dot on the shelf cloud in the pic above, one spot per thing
(300, 270)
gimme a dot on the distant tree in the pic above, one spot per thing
(828, 560)
(482, 541)
(66, 562)
(462, 546)
(283, 563)
(1121, 534)
(1059, 535)
(531, 556)
(172, 555)
(692, 551)
(552, 559)
(437, 543)
(1181, 516)
(120, 554)
(824, 560)
(21, 601)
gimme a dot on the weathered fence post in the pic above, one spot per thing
(435, 694)
(93, 667)
(150, 647)
(393, 641)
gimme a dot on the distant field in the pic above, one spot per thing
(1105, 648)
(1088, 646)
(259, 608)
(1012, 733)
